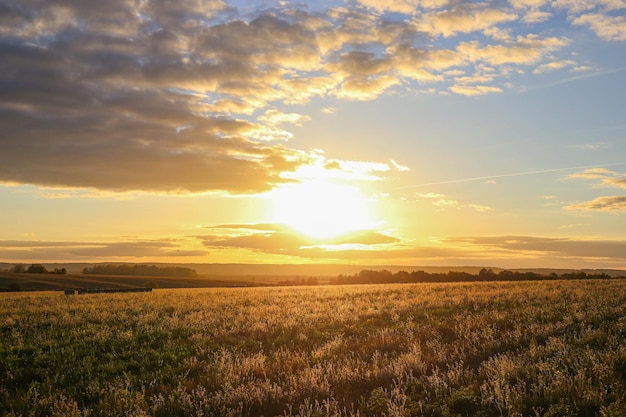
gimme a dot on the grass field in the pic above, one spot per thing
(57, 282)
(554, 348)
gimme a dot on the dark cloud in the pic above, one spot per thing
(50, 250)
(61, 131)
(361, 246)
(615, 203)
(563, 247)
(101, 108)
(270, 242)
(280, 239)
(413, 254)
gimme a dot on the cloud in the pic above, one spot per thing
(474, 90)
(190, 97)
(550, 247)
(105, 251)
(465, 18)
(616, 182)
(531, 10)
(610, 28)
(524, 50)
(276, 117)
(267, 227)
(102, 108)
(399, 167)
(404, 6)
(320, 168)
(607, 177)
(360, 64)
(359, 170)
(604, 17)
(269, 129)
(439, 200)
(592, 173)
(606, 203)
(477, 207)
(365, 88)
(604, 178)
(571, 226)
(580, 6)
(591, 146)
(364, 246)
(270, 242)
(430, 195)
(64, 127)
(531, 4)
(536, 16)
(281, 240)
(499, 250)
(419, 63)
(554, 65)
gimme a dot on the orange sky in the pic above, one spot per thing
(399, 132)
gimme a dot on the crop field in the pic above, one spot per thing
(554, 348)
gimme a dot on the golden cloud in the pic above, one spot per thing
(365, 88)
(615, 203)
(610, 28)
(607, 177)
(474, 90)
(465, 18)
(554, 65)
(404, 6)
(524, 50)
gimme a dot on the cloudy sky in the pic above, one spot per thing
(414, 132)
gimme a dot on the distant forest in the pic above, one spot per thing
(387, 277)
(141, 270)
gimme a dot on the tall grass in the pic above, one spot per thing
(491, 349)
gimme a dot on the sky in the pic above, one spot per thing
(399, 132)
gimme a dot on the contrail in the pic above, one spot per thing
(576, 78)
(515, 174)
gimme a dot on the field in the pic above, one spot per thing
(554, 348)
(57, 282)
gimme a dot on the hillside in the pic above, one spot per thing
(54, 282)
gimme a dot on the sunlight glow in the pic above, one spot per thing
(320, 209)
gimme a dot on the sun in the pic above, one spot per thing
(321, 209)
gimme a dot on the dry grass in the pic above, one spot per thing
(492, 349)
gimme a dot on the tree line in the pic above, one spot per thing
(37, 269)
(141, 270)
(388, 277)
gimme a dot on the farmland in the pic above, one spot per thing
(540, 348)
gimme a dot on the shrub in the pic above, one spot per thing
(617, 409)
(37, 269)
(464, 402)
(560, 410)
